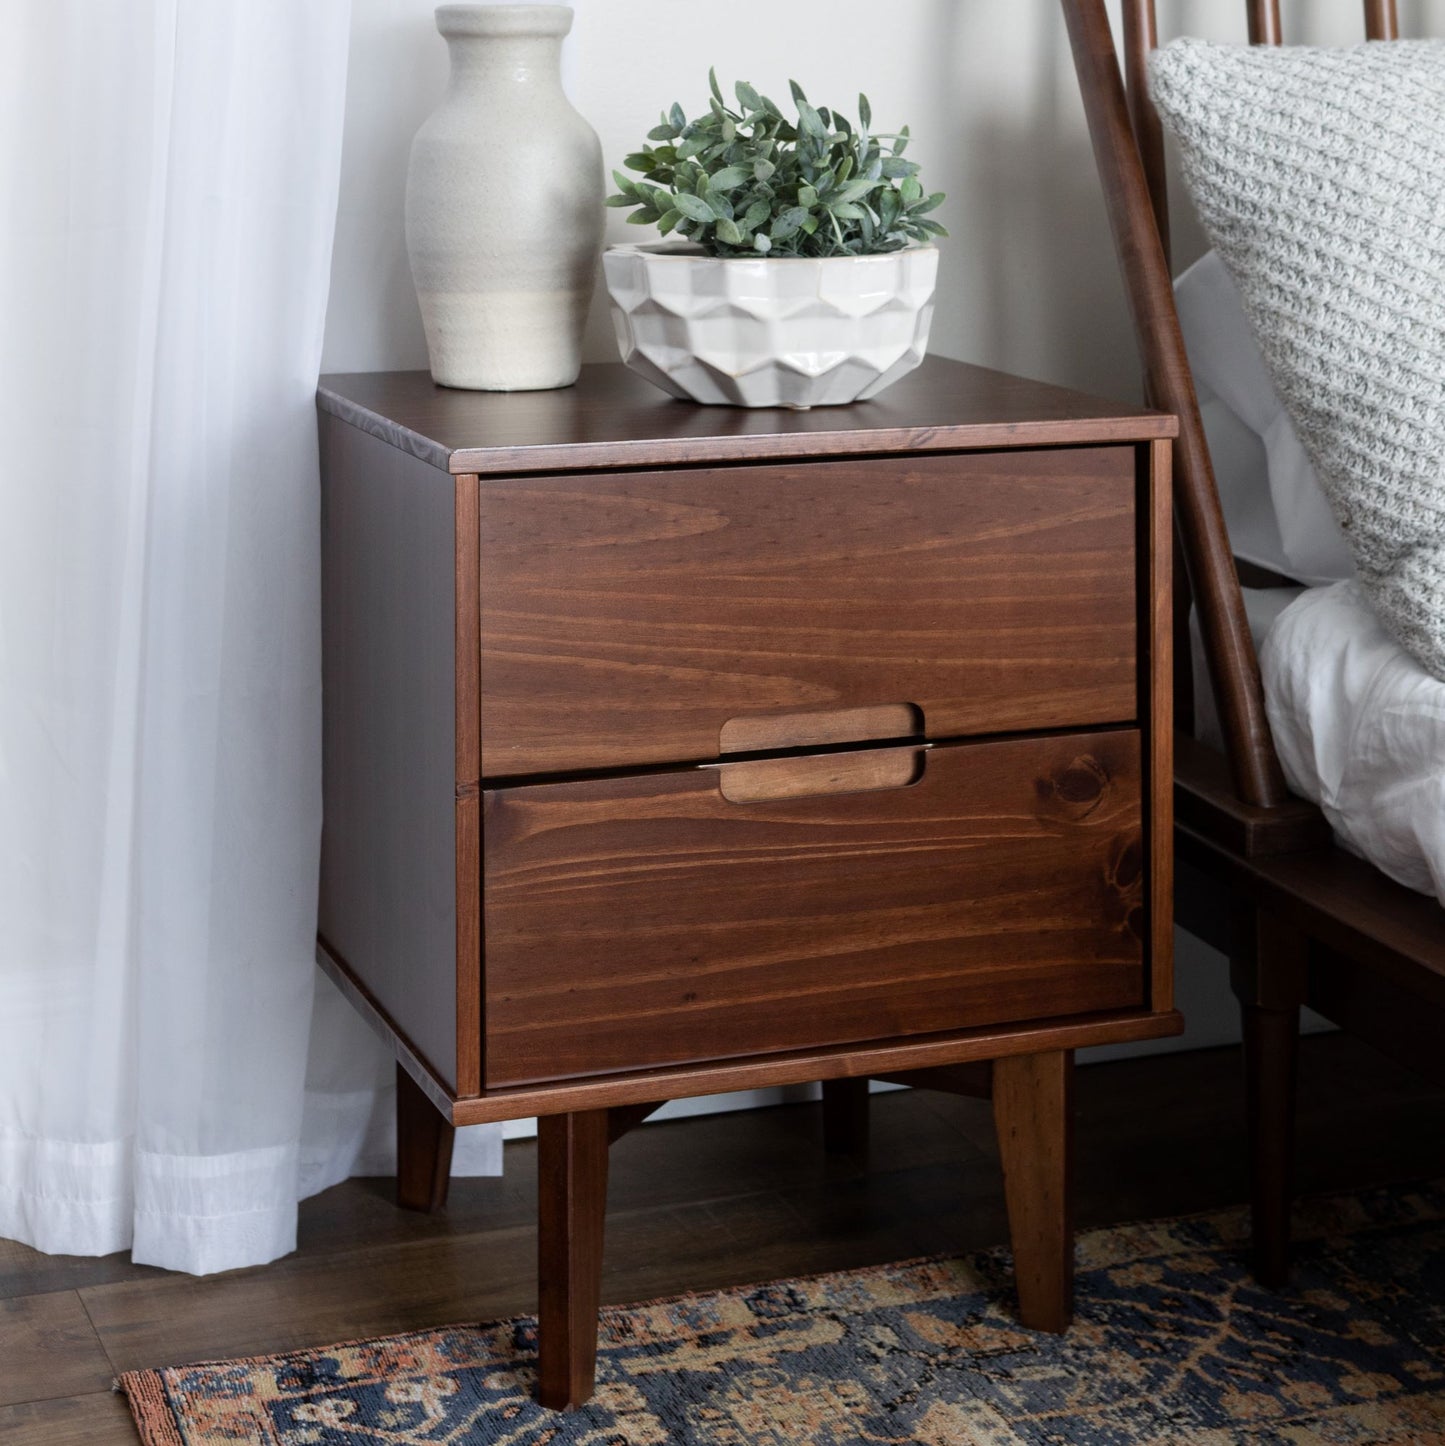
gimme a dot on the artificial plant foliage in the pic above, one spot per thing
(750, 182)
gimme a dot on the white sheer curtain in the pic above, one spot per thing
(169, 173)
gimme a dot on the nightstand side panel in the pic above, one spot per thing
(388, 898)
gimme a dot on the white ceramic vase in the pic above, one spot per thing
(504, 209)
(776, 331)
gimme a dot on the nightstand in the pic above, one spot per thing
(672, 750)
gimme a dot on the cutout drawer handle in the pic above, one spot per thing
(868, 771)
(772, 732)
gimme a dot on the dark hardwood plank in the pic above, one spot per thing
(613, 418)
(389, 848)
(728, 1199)
(424, 1141)
(48, 1347)
(634, 619)
(24, 1271)
(101, 1418)
(312, 1301)
(571, 1213)
(1033, 1110)
(648, 921)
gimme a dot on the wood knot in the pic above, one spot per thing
(1075, 790)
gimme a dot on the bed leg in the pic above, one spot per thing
(1268, 975)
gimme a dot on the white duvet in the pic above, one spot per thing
(1360, 729)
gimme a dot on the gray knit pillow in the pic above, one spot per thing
(1320, 177)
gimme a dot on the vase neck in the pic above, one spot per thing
(497, 62)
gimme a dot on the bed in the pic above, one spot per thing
(1308, 808)
(1358, 724)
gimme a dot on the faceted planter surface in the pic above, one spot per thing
(771, 332)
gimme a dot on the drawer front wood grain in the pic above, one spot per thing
(645, 921)
(627, 618)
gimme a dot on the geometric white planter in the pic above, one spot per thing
(782, 331)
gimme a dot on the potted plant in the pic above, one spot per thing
(804, 267)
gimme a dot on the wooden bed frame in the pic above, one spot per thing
(1302, 921)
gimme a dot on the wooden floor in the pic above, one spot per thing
(694, 1204)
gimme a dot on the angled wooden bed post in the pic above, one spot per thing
(1303, 922)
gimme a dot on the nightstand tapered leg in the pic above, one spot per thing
(571, 1206)
(424, 1139)
(1033, 1111)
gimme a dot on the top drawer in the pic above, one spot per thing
(627, 618)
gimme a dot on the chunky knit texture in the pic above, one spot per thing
(1320, 177)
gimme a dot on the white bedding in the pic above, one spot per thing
(1360, 729)
(1360, 726)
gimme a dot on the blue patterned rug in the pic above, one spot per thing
(1173, 1343)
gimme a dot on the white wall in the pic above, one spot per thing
(1028, 280)
(1028, 277)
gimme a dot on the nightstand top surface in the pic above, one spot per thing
(614, 418)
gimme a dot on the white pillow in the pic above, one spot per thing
(1278, 515)
(1320, 177)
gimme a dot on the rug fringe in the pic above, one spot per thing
(150, 1407)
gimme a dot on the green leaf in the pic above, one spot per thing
(756, 214)
(814, 184)
(693, 207)
(853, 191)
(729, 178)
(789, 223)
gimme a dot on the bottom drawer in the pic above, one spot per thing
(678, 917)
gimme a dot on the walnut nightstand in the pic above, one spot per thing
(674, 749)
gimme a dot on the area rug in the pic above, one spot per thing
(1173, 1345)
